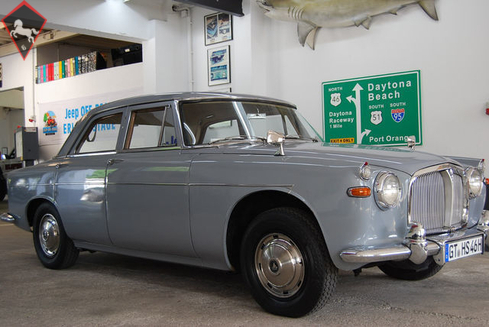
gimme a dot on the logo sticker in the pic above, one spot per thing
(398, 114)
(24, 24)
(50, 124)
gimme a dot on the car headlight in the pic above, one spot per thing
(387, 190)
(475, 181)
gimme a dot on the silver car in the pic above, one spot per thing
(244, 183)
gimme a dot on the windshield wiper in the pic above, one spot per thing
(229, 138)
(296, 137)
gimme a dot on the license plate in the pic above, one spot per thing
(464, 248)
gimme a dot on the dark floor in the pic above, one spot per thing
(112, 290)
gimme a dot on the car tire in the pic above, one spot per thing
(407, 270)
(286, 264)
(54, 248)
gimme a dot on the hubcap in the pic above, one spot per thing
(49, 235)
(279, 265)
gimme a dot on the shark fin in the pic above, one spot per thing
(311, 38)
(366, 23)
(429, 8)
(303, 31)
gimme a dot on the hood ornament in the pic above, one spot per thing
(411, 142)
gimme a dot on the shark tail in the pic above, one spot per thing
(429, 8)
(307, 34)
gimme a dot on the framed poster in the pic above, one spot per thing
(218, 28)
(218, 66)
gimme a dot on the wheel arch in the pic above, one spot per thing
(246, 210)
(33, 205)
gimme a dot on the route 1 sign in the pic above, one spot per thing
(373, 110)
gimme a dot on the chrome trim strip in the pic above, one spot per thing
(289, 186)
(6, 217)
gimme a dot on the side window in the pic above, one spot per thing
(147, 130)
(102, 135)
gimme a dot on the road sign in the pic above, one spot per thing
(373, 110)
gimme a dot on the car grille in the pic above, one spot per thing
(437, 199)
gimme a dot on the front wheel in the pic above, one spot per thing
(407, 270)
(54, 248)
(286, 263)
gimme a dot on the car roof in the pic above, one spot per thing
(188, 96)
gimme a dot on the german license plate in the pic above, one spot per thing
(464, 248)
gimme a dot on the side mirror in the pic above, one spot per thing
(277, 139)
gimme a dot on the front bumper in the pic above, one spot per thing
(417, 247)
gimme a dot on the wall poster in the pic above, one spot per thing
(374, 110)
(218, 66)
(218, 28)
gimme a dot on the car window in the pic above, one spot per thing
(202, 123)
(101, 135)
(146, 129)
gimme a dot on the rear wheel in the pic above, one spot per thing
(286, 264)
(54, 248)
(407, 270)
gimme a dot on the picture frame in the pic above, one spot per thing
(218, 28)
(219, 65)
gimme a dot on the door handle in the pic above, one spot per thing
(110, 162)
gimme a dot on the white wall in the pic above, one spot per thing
(96, 87)
(16, 73)
(451, 54)
(150, 22)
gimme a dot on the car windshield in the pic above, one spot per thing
(223, 121)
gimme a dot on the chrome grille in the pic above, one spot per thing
(437, 199)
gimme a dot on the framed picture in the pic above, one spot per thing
(218, 28)
(218, 66)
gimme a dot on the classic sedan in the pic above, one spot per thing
(243, 183)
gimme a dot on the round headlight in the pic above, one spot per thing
(475, 180)
(387, 190)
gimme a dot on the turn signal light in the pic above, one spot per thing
(359, 192)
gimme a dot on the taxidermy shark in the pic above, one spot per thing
(314, 14)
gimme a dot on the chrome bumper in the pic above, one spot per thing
(417, 247)
(7, 217)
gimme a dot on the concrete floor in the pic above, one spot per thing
(113, 290)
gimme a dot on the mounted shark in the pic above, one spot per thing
(314, 14)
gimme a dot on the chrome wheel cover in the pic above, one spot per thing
(49, 237)
(279, 265)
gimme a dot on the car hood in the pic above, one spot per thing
(407, 161)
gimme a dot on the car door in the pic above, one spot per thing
(80, 181)
(147, 186)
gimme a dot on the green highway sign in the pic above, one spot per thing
(373, 110)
